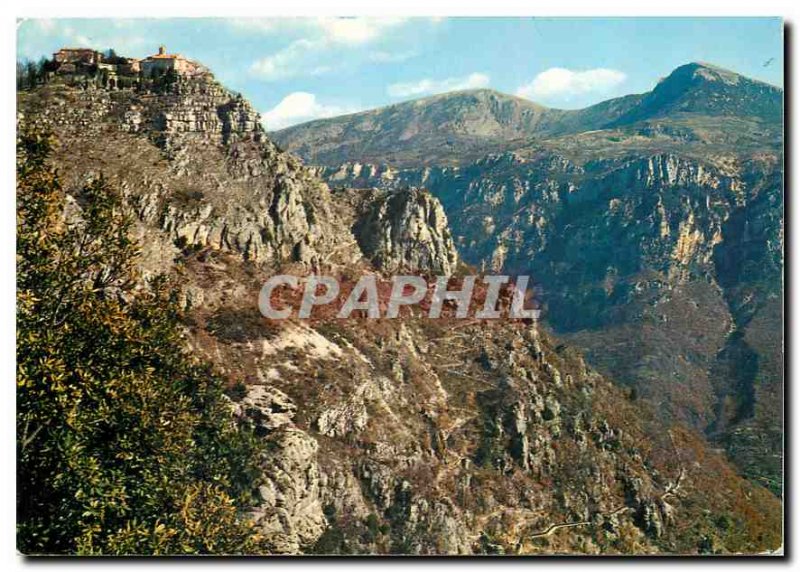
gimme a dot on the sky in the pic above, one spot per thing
(298, 69)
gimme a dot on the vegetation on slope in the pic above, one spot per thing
(125, 444)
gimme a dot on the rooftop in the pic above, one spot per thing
(163, 55)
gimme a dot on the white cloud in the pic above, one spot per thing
(298, 107)
(426, 86)
(564, 83)
(355, 31)
(349, 31)
(288, 62)
(319, 49)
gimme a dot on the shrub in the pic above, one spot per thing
(125, 444)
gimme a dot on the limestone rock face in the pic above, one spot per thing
(407, 230)
(376, 446)
(627, 246)
(653, 223)
(193, 160)
(268, 407)
(290, 512)
(196, 104)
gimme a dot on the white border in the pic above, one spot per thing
(145, 8)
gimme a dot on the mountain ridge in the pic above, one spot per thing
(428, 98)
(474, 122)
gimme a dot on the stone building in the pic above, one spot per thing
(85, 56)
(89, 66)
(76, 61)
(163, 62)
(131, 66)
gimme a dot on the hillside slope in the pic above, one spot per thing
(409, 436)
(403, 134)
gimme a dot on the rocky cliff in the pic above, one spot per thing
(654, 224)
(410, 436)
(406, 230)
(641, 264)
(194, 161)
(430, 438)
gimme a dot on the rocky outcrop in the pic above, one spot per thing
(289, 514)
(196, 105)
(382, 444)
(406, 231)
(625, 249)
(193, 160)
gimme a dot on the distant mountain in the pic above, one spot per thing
(405, 133)
(459, 127)
(708, 90)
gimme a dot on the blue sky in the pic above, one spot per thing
(296, 69)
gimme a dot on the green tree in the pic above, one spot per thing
(30, 73)
(20, 75)
(165, 80)
(125, 443)
(26, 74)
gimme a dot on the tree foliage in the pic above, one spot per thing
(31, 73)
(125, 444)
(164, 80)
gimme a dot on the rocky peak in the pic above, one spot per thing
(194, 162)
(406, 230)
(710, 90)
